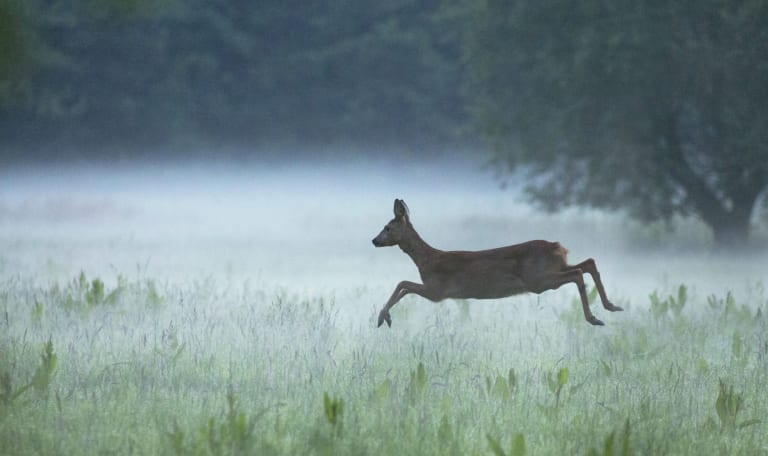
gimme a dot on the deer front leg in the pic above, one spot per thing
(401, 290)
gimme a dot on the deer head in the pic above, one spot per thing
(396, 229)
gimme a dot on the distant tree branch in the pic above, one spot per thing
(674, 162)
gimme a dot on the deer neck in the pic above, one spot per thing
(418, 249)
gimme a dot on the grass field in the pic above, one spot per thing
(191, 314)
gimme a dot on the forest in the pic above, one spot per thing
(151, 73)
(191, 191)
(656, 109)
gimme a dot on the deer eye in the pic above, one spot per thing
(386, 228)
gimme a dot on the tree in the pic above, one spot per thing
(12, 46)
(659, 108)
(136, 75)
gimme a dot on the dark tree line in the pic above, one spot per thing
(656, 108)
(146, 72)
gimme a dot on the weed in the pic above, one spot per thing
(556, 383)
(728, 405)
(36, 314)
(739, 349)
(418, 383)
(613, 448)
(726, 310)
(153, 298)
(334, 408)
(41, 380)
(292, 352)
(83, 295)
(502, 387)
(171, 348)
(517, 447)
(606, 369)
(382, 391)
(446, 438)
(6, 388)
(46, 370)
(235, 435)
(674, 304)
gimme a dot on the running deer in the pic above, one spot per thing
(533, 266)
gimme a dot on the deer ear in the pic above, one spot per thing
(401, 210)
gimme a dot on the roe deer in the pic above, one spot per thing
(533, 266)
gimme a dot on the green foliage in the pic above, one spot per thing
(418, 382)
(234, 435)
(334, 408)
(727, 310)
(502, 387)
(738, 349)
(606, 369)
(555, 383)
(36, 314)
(13, 42)
(556, 104)
(155, 65)
(46, 371)
(153, 297)
(495, 446)
(83, 295)
(382, 391)
(6, 388)
(613, 448)
(728, 405)
(174, 350)
(161, 385)
(446, 438)
(660, 308)
(518, 447)
(40, 382)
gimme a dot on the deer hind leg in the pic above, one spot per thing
(574, 275)
(401, 290)
(589, 266)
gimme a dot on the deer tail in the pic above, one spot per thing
(560, 250)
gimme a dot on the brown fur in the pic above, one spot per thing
(533, 266)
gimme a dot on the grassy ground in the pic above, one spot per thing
(234, 313)
(202, 368)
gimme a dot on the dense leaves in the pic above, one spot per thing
(659, 108)
(149, 72)
(655, 108)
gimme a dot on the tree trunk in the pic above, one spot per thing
(729, 215)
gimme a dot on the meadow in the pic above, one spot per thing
(233, 311)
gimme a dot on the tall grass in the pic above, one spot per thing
(133, 366)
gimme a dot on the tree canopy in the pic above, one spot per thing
(657, 108)
(150, 72)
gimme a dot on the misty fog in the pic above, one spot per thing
(189, 192)
(308, 227)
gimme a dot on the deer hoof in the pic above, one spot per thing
(384, 316)
(614, 308)
(593, 320)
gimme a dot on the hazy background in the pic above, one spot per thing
(266, 141)
(189, 190)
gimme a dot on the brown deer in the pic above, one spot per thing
(533, 266)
